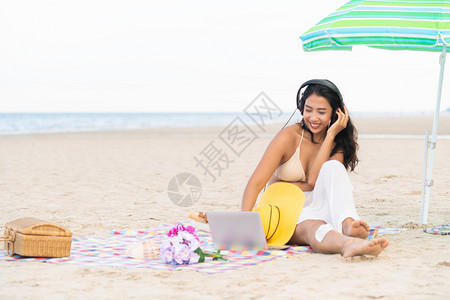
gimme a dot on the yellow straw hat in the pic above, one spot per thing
(280, 206)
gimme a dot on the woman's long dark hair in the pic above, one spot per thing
(346, 140)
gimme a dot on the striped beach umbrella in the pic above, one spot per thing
(395, 25)
(421, 25)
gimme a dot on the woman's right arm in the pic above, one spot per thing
(266, 167)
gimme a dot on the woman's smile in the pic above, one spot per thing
(314, 125)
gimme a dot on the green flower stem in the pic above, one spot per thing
(215, 255)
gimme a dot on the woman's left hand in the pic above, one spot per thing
(341, 122)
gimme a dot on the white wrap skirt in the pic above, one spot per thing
(332, 198)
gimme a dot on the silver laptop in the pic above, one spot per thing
(238, 230)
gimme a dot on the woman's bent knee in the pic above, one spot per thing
(306, 232)
(322, 231)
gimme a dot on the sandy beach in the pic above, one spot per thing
(92, 183)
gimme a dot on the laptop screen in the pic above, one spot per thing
(237, 230)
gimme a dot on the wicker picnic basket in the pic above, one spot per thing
(36, 238)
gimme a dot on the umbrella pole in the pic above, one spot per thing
(432, 145)
(424, 174)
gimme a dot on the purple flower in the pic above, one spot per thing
(180, 253)
(190, 240)
(184, 253)
(194, 258)
(167, 251)
(176, 240)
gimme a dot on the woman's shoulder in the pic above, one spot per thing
(291, 131)
(289, 134)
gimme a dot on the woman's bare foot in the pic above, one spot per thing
(355, 246)
(200, 217)
(358, 228)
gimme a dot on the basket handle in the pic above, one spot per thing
(8, 236)
(9, 240)
(10, 248)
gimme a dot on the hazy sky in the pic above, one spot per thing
(188, 56)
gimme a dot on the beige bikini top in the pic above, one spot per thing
(292, 170)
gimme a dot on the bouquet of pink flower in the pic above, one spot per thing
(183, 247)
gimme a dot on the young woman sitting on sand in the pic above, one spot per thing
(315, 156)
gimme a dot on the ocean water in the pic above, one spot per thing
(37, 123)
